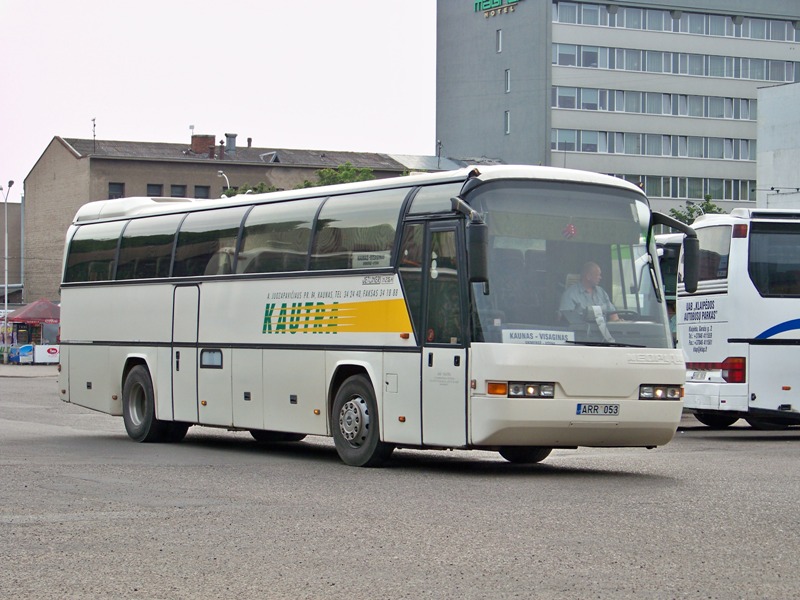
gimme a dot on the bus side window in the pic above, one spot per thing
(444, 307)
(204, 238)
(409, 265)
(92, 250)
(715, 243)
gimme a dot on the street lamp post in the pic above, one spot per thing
(5, 269)
(221, 173)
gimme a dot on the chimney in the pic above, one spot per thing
(230, 145)
(221, 150)
(249, 142)
(201, 142)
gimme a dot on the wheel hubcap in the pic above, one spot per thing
(354, 421)
(136, 404)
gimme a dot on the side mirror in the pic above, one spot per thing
(477, 251)
(691, 250)
(691, 263)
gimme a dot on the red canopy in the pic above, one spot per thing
(41, 311)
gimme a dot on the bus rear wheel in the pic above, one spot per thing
(524, 455)
(139, 410)
(356, 433)
(716, 420)
(274, 437)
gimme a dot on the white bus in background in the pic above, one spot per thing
(415, 312)
(741, 330)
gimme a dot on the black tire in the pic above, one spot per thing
(716, 420)
(274, 437)
(139, 408)
(354, 422)
(767, 424)
(525, 455)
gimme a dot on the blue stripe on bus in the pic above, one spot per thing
(779, 328)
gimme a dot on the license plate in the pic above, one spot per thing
(698, 375)
(598, 410)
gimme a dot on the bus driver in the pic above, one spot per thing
(578, 298)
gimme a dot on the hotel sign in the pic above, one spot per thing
(494, 8)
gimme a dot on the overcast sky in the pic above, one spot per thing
(318, 74)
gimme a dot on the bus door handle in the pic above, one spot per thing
(456, 360)
(178, 360)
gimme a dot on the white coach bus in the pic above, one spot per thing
(419, 311)
(741, 330)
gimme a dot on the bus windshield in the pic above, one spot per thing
(568, 265)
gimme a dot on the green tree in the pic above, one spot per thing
(694, 210)
(345, 173)
(259, 188)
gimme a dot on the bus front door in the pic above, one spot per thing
(444, 356)
(185, 314)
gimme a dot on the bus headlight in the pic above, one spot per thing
(522, 389)
(660, 392)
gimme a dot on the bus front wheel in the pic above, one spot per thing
(356, 433)
(524, 455)
(716, 420)
(139, 409)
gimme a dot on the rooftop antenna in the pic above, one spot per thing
(94, 138)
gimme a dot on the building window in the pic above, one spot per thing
(177, 191)
(155, 190)
(508, 80)
(116, 190)
(566, 55)
(567, 97)
(508, 122)
(498, 40)
(590, 141)
(590, 56)
(202, 191)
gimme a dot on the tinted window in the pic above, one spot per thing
(774, 262)
(207, 242)
(276, 237)
(435, 198)
(146, 247)
(92, 252)
(715, 244)
(409, 264)
(357, 231)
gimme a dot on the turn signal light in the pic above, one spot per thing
(497, 389)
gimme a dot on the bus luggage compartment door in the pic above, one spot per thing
(444, 406)
(774, 378)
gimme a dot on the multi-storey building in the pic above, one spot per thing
(663, 93)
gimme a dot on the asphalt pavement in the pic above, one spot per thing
(14, 370)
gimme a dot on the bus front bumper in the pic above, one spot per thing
(556, 422)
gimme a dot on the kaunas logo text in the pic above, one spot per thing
(295, 317)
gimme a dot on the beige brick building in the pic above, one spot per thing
(71, 172)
